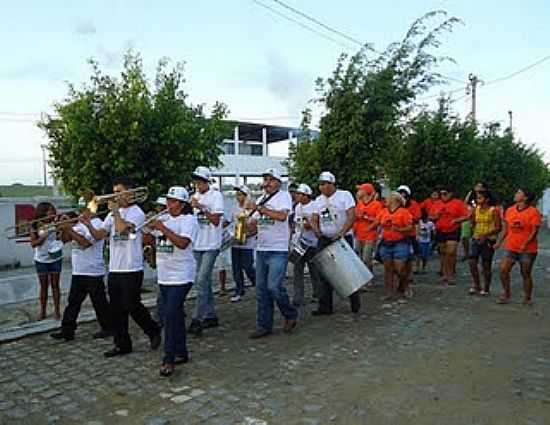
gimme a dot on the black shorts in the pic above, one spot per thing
(441, 237)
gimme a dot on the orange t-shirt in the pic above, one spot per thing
(387, 219)
(427, 205)
(445, 212)
(416, 213)
(365, 214)
(520, 224)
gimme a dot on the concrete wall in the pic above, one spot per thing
(21, 254)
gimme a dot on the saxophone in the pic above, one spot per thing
(240, 227)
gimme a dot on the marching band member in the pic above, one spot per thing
(176, 266)
(242, 255)
(333, 219)
(208, 206)
(88, 269)
(48, 256)
(305, 233)
(125, 269)
(272, 215)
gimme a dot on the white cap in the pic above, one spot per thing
(161, 200)
(243, 188)
(273, 172)
(327, 176)
(202, 173)
(179, 193)
(404, 188)
(304, 189)
(82, 202)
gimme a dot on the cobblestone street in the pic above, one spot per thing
(442, 358)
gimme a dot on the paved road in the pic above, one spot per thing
(442, 358)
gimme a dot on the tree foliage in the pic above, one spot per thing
(127, 126)
(365, 99)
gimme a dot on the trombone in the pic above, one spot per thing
(161, 215)
(137, 195)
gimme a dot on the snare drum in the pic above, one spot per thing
(297, 250)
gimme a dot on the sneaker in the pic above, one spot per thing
(210, 323)
(62, 335)
(182, 359)
(235, 298)
(195, 328)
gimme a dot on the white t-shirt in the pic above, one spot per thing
(51, 244)
(274, 235)
(88, 261)
(302, 212)
(177, 266)
(125, 253)
(426, 230)
(250, 242)
(333, 211)
(210, 236)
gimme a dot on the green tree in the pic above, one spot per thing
(437, 148)
(366, 100)
(124, 126)
(507, 164)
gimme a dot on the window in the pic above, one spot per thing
(229, 148)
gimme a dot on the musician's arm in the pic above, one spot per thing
(72, 235)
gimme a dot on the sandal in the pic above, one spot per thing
(473, 291)
(166, 369)
(484, 293)
(503, 300)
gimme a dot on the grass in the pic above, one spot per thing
(23, 191)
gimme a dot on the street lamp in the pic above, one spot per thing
(44, 161)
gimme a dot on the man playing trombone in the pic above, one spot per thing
(125, 267)
(87, 275)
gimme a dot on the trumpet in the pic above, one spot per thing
(137, 195)
(161, 215)
(240, 228)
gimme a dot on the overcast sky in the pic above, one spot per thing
(260, 64)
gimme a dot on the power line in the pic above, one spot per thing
(519, 71)
(316, 21)
(301, 24)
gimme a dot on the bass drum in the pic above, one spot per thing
(342, 268)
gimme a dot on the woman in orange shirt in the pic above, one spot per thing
(448, 214)
(396, 223)
(366, 209)
(521, 226)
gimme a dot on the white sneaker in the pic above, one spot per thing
(235, 298)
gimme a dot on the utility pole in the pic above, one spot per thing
(473, 84)
(44, 171)
(510, 116)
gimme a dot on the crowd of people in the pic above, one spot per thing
(395, 230)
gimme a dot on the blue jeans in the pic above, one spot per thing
(270, 274)
(175, 338)
(242, 261)
(204, 304)
(160, 307)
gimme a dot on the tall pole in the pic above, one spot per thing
(44, 171)
(473, 84)
(510, 116)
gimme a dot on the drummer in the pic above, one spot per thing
(306, 237)
(333, 219)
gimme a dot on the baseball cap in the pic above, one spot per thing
(404, 188)
(304, 189)
(243, 188)
(327, 176)
(179, 193)
(367, 187)
(202, 173)
(273, 172)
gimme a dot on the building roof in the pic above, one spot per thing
(248, 165)
(253, 131)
